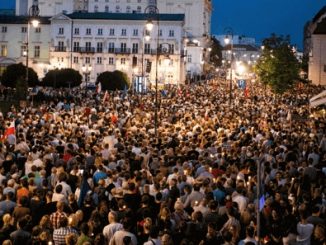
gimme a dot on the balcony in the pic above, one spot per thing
(84, 49)
(60, 49)
(122, 51)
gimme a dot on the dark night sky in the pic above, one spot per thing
(260, 18)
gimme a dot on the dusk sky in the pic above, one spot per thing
(256, 18)
(260, 18)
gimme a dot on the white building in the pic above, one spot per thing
(197, 19)
(13, 39)
(237, 40)
(317, 54)
(115, 41)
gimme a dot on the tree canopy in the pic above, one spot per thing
(278, 66)
(17, 72)
(65, 78)
(116, 80)
(216, 52)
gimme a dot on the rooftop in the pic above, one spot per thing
(12, 19)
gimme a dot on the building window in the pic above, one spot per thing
(189, 58)
(139, 1)
(61, 46)
(117, 9)
(24, 29)
(135, 48)
(135, 33)
(99, 47)
(87, 60)
(100, 32)
(76, 31)
(76, 60)
(106, 1)
(23, 51)
(4, 50)
(95, 8)
(37, 51)
(111, 61)
(61, 31)
(88, 31)
(123, 47)
(4, 29)
(88, 46)
(38, 30)
(111, 32)
(106, 9)
(99, 60)
(124, 32)
(139, 9)
(76, 46)
(111, 47)
(171, 33)
(128, 9)
(123, 61)
(160, 32)
(147, 48)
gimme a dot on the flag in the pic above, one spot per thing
(106, 95)
(10, 130)
(84, 188)
(99, 88)
(246, 92)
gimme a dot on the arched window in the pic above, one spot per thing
(106, 8)
(139, 9)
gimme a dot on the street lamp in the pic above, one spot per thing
(31, 19)
(229, 40)
(153, 12)
(86, 71)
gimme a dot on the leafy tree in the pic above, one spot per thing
(278, 66)
(17, 72)
(216, 52)
(116, 80)
(62, 78)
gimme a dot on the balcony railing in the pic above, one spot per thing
(84, 49)
(122, 51)
(60, 49)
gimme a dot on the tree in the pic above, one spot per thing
(216, 52)
(278, 66)
(17, 72)
(112, 81)
(59, 78)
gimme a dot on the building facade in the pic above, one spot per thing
(115, 41)
(15, 32)
(317, 53)
(197, 23)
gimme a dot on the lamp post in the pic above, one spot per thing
(31, 19)
(86, 71)
(153, 13)
(229, 40)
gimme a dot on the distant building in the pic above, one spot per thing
(237, 40)
(13, 41)
(197, 23)
(317, 52)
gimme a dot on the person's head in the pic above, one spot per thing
(45, 221)
(112, 217)
(166, 239)
(84, 228)
(63, 222)
(58, 189)
(250, 231)
(60, 206)
(71, 239)
(319, 232)
(6, 219)
(154, 231)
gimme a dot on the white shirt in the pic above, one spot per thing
(110, 229)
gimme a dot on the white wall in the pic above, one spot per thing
(317, 62)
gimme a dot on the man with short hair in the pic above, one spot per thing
(8, 205)
(112, 227)
(58, 215)
(20, 236)
(60, 233)
(121, 236)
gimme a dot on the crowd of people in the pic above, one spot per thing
(88, 168)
